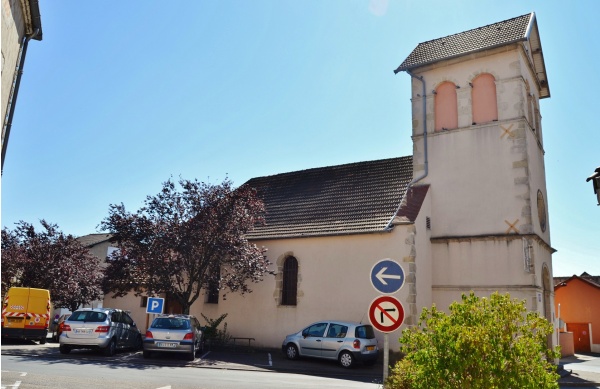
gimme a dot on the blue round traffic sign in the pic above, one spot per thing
(387, 276)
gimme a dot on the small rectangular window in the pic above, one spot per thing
(212, 295)
(144, 301)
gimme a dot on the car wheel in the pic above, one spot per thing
(192, 354)
(146, 354)
(346, 359)
(64, 349)
(138, 343)
(291, 351)
(43, 341)
(110, 350)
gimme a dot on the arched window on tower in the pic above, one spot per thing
(483, 94)
(446, 107)
(289, 290)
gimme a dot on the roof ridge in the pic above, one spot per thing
(343, 165)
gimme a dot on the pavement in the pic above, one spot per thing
(579, 370)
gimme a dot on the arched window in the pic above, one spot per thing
(289, 289)
(212, 296)
(485, 106)
(446, 107)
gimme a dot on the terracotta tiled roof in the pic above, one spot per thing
(411, 204)
(585, 277)
(492, 35)
(355, 198)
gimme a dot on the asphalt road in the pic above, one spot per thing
(31, 365)
(42, 366)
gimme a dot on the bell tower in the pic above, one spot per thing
(478, 142)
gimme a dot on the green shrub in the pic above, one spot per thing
(483, 343)
(213, 335)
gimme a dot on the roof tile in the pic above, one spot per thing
(492, 35)
(353, 198)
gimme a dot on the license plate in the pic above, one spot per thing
(82, 331)
(370, 348)
(166, 344)
(14, 319)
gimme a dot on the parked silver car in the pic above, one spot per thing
(174, 333)
(106, 329)
(346, 342)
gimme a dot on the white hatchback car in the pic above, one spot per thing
(346, 342)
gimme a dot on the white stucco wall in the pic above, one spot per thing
(484, 181)
(334, 283)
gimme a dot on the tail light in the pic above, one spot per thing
(66, 328)
(149, 335)
(102, 329)
(356, 344)
(188, 336)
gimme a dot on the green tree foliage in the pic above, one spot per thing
(184, 241)
(49, 259)
(482, 343)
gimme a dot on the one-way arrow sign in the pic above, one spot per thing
(382, 275)
(387, 276)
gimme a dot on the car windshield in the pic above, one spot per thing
(364, 332)
(88, 316)
(171, 323)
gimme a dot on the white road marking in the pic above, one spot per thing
(165, 387)
(15, 385)
(22, 374)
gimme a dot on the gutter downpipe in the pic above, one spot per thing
(415, 180)
(13, 95)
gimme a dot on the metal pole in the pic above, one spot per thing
(386, 356)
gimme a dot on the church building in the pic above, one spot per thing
(465, 212)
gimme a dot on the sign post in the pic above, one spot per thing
(386, 313)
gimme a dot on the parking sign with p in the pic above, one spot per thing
(155, 305)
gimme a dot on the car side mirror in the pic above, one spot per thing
(133, 324)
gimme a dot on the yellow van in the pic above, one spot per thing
(26, 314)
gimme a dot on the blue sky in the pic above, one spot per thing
(121, 96)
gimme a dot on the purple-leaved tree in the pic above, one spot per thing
(49, 259)
(184, 240)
